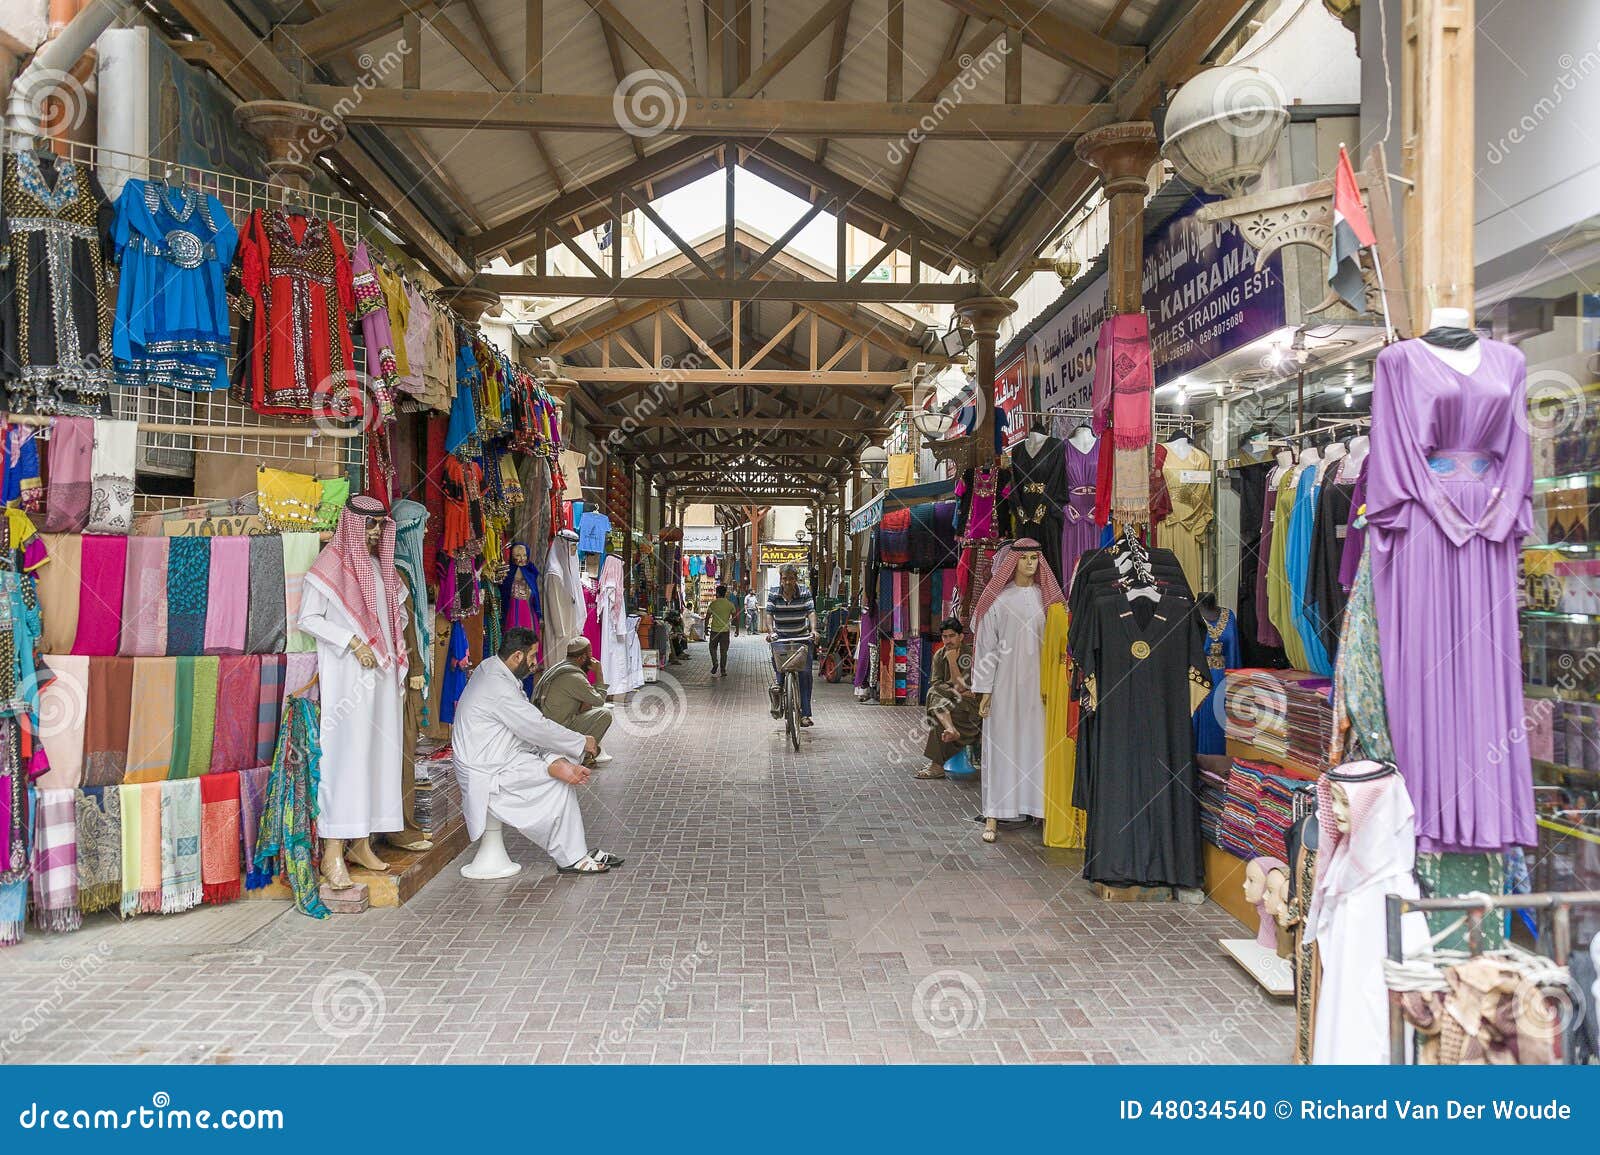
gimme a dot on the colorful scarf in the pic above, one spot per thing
(104, 566)
(141, 848)
(55, 861)
(144, 598)
(14, 821)
(299, 675)
(269, 706)
(188, 574)
(151, 719)
(71, 482)
(299, 554)
(63, 716)
(410, 527)
(115, 455)
(233, 745)
(59, 586)
(99, 848)
(265, 632)
(228, 596)
(219, 837)
(194, 716)
(252, 801)
(21, 486)
(14, 884)
(1132, 379)
(105, 731)
(180, 845)
(289, 822)
(365, 588)
(1360, 706)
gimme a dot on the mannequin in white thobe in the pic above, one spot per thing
(354, 605)
(1005, 676)
(517, 766)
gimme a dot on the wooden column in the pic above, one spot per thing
(470, 301)
(1124, 153)
(294, 136)
(986, 313)
(1437, 150)
(906, 391)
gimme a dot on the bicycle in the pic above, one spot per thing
(790, 657)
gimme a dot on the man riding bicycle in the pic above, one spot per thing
(792, 617)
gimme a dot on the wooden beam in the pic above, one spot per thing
(683, 246)
(492, 67)
(724, 374)
(411, 65)
(351, 24)
(782, 243)
(458, 109)
(895, 65)
(726, 289)
(588, 334)
(1013, 66)
(838, 354)
(640, 43)
(897, 239)
(1057, 37)
(1436, 150)
(533, 47)
(676, 373)
(772, 342)
(830, 78)
(752, 423)
(716, 82)
(575, 248)
(780, 59)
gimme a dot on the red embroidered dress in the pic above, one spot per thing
(298, 301)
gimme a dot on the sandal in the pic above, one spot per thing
(606, 858)
(584, 865)
(930, 772)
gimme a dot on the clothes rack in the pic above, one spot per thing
(1164, 422)
(1329, 426)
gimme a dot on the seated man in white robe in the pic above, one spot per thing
(517, 765)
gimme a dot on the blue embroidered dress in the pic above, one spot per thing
(174, 244)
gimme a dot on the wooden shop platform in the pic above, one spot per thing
(408, 871)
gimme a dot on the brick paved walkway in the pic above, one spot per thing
(814, 907)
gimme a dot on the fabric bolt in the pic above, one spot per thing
(104, 567)
(194, 718)
(180, 845)
(146, 825)
(219, 838)
(188, 576)
(63, 718)
(151, 719)
(107, 711)
(144, 599)
(59, 586)
(1297, 566)
(233, 745)
(227, 598)
(269, 705)
(266, 628)
(71, 478)
(99, 816)
(288, 820)
(55, 861)
(252, 801)
(1448, 500)
(299, 554)
(112, 464)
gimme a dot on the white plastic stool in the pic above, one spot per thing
(491, 861)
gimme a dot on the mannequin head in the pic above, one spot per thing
(1341, 809)
(518, 650)
(519, 555)
(1027, 567)
(1255, 881)
(1277, 896)
(374, 535)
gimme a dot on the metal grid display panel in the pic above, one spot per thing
(173, 454)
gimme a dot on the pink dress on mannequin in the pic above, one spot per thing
(591, 625)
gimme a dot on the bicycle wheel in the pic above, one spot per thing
(791, 708)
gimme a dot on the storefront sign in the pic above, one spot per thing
(1011, 397)
(1203, 293)
(1060, 355)
(775, 553)
(702, 539)
(868, 515)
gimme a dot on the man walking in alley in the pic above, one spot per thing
(719, 621)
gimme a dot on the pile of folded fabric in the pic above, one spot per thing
(1213, 800)
(1275, 815)
(1239, 811)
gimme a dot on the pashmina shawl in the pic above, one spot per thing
(265, 632)
(288, 824)
(1360, 709)
(63, 716)
(269, 706)
(193, 717)
(99, 848)
(14, 823)
(180, 845)
(55, 861)
(144, 598)
(233, 745)
(1132, 378)
(228, 596)
(299, 554)
(59, 585)
(141, 848)
(104, 565)
(71, 480)
(252, 801)
(116, 450)
(151, 719)
(219, 837)
(14, 884)
(1130, 485)
(299, 675)
(105, 732)
(188, 574)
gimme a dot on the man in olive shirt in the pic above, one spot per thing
(719, 620)
(564, 695)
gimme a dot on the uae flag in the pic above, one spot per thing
(1352, 232)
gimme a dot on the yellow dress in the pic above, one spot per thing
(1280, 597)
(1063, 823)
(1184, 530)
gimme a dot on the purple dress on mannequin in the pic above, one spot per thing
(1078, 531)
(1449, 493)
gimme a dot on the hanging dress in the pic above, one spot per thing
(1038, 494)
(1063, 822)
(55, 356)
(1184, 530)
(1078, 531)
(1296, 568)
(1222, 655)
(1280, 596)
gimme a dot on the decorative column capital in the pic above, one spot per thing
(294, 135)
(986, 313)
(471, 301)
(1122, 152)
